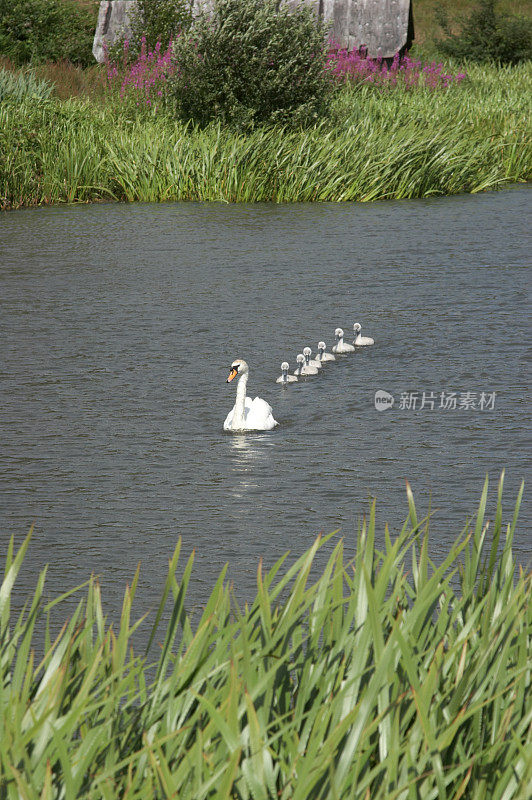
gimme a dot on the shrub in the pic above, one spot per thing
(159, 21)
(249, 61)
(154, 23)
(21, 85)
(487, 35)
(42, 30)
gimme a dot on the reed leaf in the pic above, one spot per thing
(353, 680)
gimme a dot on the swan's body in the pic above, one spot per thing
(247, 414)
(341, 346)
(284, 377)
(311, 362)
(322, 356)
(361, 341)
(302, 368)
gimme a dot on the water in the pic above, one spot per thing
(118, 327)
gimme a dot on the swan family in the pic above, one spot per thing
(257, 414)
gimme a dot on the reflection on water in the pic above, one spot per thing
(251, 455)
(246, 453)
(117, 326)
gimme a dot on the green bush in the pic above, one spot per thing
(487, 35)
(21, 85)
(160, 21)
(153, 21)
(46, 30)
(249, 61)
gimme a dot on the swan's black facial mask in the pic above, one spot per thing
(232, 374)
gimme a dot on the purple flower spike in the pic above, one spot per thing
(356, 67)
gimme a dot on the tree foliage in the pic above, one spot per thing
(487, 34)
(159, 21)
(248, 62)
(47, 30)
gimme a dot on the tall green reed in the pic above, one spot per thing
(386, 676)
(23, 85)
(399, 144)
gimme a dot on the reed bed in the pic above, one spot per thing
(23, 84)
(386, 677)
(379, 145)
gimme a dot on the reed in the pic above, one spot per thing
(22, 85)
(379, 145)
(388, 676)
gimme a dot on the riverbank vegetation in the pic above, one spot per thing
(388, 676)
(263, 118)
(377, 145)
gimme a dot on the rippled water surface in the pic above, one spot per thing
(118, 326)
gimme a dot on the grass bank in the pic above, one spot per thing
(380, 144)
(388, 677)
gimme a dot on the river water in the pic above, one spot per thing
(119, 324)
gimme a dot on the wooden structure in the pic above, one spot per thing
(382, 27)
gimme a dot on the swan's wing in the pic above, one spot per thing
(259, 415)
(229, 419)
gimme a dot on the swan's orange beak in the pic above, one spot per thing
(232, 374)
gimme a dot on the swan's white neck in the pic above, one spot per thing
(238, 416)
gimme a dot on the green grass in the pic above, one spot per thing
(388, 677)
(396, 144)
(22, 85)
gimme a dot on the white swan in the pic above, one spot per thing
(361, 341)
(322, 356)
(302, 368)
(311, 362)
(247, 414)
(341, 346)
(284, 377)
